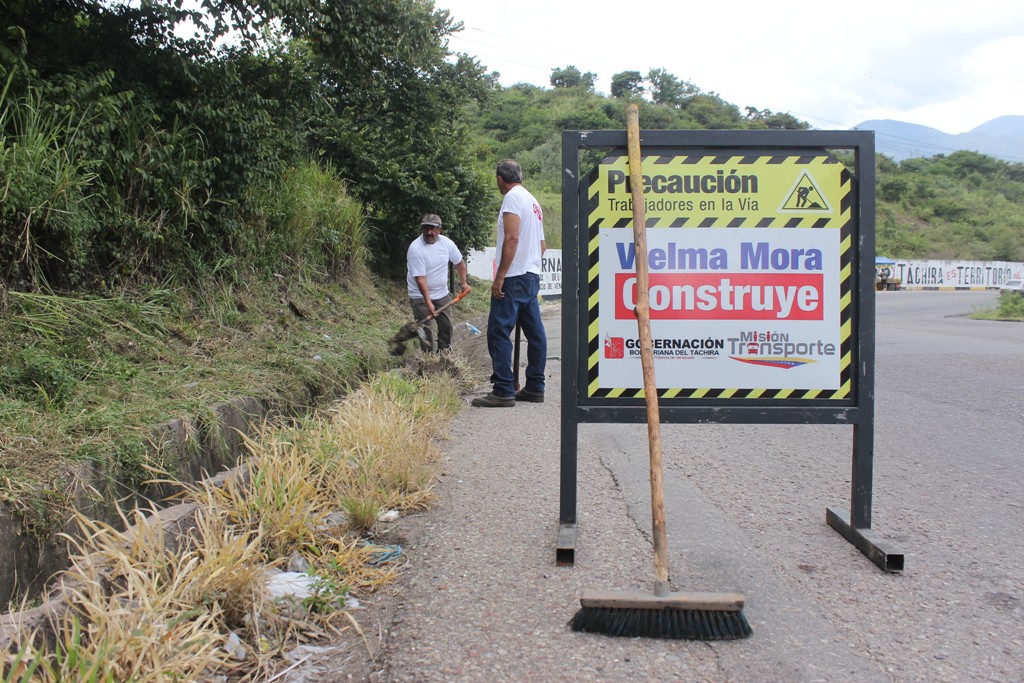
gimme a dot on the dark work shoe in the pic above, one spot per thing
(492, 401)
(530, 396)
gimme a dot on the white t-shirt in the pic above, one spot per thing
(519, 201)
(431, 260)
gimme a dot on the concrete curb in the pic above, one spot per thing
(198, 447)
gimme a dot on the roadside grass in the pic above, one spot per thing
(1009, 306)
(86, 379)
(141, 611)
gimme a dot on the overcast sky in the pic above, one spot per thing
(950, 65)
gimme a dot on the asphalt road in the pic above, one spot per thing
(745, 510)
(949, 464)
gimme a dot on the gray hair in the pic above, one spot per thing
(510, 171)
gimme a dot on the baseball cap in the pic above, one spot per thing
(431, 219)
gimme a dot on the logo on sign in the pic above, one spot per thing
(780, 363)
(614, 347)
(774, 349)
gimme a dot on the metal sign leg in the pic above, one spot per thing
(856, 527)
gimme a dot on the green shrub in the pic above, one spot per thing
(320, 224)
(48, 212)
(36, 375)
(1011, 305)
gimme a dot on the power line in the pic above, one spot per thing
(539, 69)
(495, 63)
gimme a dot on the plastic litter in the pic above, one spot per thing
(295, 586)
(384, 553)
(234, 647)
(298, 564)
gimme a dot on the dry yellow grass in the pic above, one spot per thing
(140, 612)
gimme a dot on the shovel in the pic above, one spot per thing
(414, 328)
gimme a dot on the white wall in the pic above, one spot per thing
(916, 274)
(935, 274)
(481, 264)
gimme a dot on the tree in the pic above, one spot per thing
(669, 90)
(965, 163)
(893, 188)
(570, 77)
(394, 129)
(766, 118)
(627, 84)
(366, 85)
(712, 112)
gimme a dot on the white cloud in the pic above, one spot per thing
(946, 64)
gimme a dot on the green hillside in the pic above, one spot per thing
(962, 206)
(184, 218)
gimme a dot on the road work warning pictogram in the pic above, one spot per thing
(805, 197)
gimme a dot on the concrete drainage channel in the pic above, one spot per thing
(29, 565)
(175, 522)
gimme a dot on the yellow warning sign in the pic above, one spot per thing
(723, 191)
(719, 224)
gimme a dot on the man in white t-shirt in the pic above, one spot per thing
(514, 293)
(427, 281)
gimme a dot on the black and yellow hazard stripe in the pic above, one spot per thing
(846, 225)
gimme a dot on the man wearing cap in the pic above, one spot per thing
(428, 258)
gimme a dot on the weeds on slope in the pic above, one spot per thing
(85, 380)
(310, 492)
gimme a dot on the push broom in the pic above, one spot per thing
(690, 616)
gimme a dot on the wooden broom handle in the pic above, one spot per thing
(643, 317)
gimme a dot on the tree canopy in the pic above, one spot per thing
(667, 89)
(627, 84)
(144, 138)
(571, 77)
(382, 104)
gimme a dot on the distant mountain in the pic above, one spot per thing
(1002, 138)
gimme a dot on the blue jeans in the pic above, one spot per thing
(520, 304)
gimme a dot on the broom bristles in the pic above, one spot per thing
(678, 616)
(672, 623)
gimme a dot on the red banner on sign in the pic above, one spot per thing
(725, 296)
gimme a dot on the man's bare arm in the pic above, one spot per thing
(508, 253)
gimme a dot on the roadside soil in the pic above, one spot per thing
(481, 597)
(492, 527)
(363, 649)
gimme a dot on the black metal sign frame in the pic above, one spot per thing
(855, 406)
